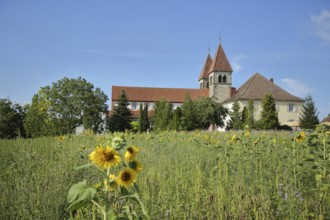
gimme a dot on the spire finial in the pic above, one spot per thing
(208, 48)
(220, 37)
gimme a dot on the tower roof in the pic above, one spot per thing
(258, 86)
(205, 71)
(220, 62)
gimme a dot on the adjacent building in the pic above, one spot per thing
(215, 80)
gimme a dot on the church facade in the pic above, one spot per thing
(215, 80)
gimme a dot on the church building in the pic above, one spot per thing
(215, 80)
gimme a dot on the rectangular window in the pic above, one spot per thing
(291, 108)
(133, 106)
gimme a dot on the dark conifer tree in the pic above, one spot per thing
(308, 118)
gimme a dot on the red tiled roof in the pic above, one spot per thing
(258, 86)
(205, 71)
(220, 62)
(147, 94)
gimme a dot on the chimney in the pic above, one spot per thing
(272, 80)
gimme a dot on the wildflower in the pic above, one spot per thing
(131, 153)
(112, 183)
(300, 137)
(105, 157)
(97, 185)
(135, 165)
(233, 139)
(126, 177)
(247, 133)
(61, 138)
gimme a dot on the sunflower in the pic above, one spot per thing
(300, 137)
(126, 177)
(131, 153)
(105, 157)
(135, 165)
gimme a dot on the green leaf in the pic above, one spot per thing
(112, 214)
(80, 195)
(83, 166)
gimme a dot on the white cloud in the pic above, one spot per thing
(236, 63)
(297, 87)
(321, 24)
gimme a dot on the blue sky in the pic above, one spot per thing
(163, 43)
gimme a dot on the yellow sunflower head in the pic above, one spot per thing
(126, 177)
(105, 157)
(131, 153)
(136, 166)
(300, 137)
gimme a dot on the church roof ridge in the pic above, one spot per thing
(205, 71)
(257, 86)
(220, 62)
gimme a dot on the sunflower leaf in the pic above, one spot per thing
(80, 195)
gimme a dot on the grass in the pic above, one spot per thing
(196, 175)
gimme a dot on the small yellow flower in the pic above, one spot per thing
(233, 139)
(105, 157)
(126, 177)
(300, 137)
(112, 182)
(247, 133)
(61, 138)
(98, 185)
(136, 166)
(131, 153)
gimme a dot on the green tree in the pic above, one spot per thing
(143, 120)
(269, 115)
(210, 113)
(245, 116)
(189, 115)
(162, 115)
(309, 116)
(11, 119)
(250, 121)
(176, 119)
(68, 103)
(121, 116)
(235, 117)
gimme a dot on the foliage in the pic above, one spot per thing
(121, 116)
(189, 114)
(210, 113)
(162, 115)
(235, 121)
(116, 196)
(11, 119)
(269, 115)
(176, 123)
(250, 114)
(68, 103)
(308, 118)
(245, 116)
(143, 120)
(186, 175)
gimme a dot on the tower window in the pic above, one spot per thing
(211, 80)
(224, 79)
(220, 79)
(207, 85)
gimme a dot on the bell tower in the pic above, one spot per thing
(220, 76)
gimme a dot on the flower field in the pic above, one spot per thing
(182, 175)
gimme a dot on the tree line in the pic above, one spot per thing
(68, 103)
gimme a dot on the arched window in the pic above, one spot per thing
(207, 85)
(220, 79)
(224, 79)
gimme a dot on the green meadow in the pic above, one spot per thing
(186, 175)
